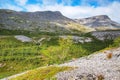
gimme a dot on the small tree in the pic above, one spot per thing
(65, 44)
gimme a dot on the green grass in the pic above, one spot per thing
(17, 57)
(42, 73)
(35, 33)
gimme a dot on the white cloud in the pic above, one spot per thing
(32, 8)
(12, 7)
(21, 2)
(111, 10)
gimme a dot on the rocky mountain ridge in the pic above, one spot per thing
(10, 19)
(47, 21)
(52, 21)
(99, 21)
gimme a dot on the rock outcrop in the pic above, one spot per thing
(106, 35)
(77, 39)
(23, 38)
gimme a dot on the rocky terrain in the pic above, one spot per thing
(23, 38)
(101, 66)
(99, 22)
(77, 39)
(106, 35)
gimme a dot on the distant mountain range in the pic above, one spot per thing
(51, 21)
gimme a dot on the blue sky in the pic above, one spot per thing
(69, 8)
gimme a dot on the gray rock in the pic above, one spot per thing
(23, 38)
(77, 39)
(105, 35)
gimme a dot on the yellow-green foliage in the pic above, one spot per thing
(79, 27)
(58, 54)
(117, 42)
(102, 28)
(42, 73)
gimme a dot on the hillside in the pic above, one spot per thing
(100, 22)
(44, 21)
(98, 66)
(101, 66)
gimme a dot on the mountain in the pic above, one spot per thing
(47, 21)
(99, 22)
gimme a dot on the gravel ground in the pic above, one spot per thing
(101, 66)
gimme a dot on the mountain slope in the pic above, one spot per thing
(99, 21)
(101, 66)
(47, 21)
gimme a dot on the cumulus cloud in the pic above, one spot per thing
(112, 10)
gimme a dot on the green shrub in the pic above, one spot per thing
(116, 42)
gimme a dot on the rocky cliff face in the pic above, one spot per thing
(98, 21)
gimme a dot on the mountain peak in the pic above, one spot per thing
(98, 21)
(100, 17)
